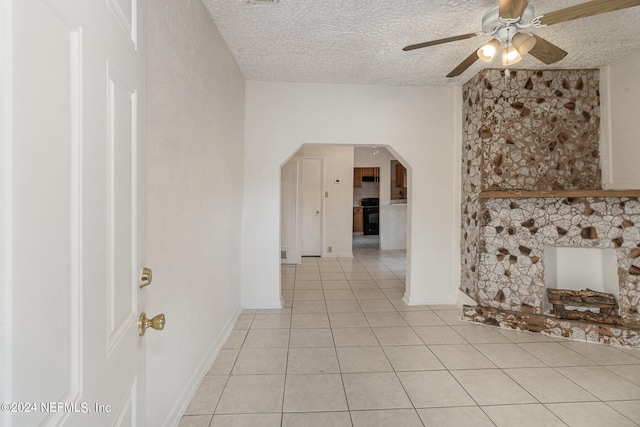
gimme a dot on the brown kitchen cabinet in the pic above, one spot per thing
(401, 176)
(359, 173)
(357, 177)
(367, 171)
(358, 220)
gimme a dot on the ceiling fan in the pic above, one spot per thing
(507, 25)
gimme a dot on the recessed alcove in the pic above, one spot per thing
(578, 269)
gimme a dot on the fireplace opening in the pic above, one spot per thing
(578, 269)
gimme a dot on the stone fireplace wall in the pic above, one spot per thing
(531, 177)
(537, 130)
(515, 231)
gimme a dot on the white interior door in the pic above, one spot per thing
(72, 80)
(311, 207)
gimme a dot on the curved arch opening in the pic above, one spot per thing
(321, 196)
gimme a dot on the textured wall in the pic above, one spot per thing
(540, 130)
(195, 128)
(472, 125)
(537, 130)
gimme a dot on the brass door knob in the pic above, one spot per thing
(156, 322)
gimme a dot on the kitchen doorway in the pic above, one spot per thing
(380, 196)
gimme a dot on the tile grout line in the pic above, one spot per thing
(371, 261)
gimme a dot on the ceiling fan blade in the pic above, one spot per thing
(546, 51)
(590, 8)
(511, 9)
(462, 67)
(440, 41)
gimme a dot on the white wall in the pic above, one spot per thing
(418, 123)
(393, 227)
(620, 131)
(195, 111)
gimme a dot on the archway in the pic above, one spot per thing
(339, 198)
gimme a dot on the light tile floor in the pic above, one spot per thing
(346, 351)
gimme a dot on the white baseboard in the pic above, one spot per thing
(464, 299)
(429, 301)
(338, 254)
(182, 402)
(257, 305)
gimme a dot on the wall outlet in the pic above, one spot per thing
(283, 254)
(330, 249)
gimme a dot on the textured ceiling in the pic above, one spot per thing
(361, 41)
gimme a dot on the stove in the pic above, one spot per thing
(370, 201)
(371, 215)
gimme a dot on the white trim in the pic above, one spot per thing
(77, 218)
(258, 305)
(464, 299)
(457, 190)
(6, 214)
(429, 301)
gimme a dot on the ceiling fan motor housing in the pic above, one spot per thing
(491, 21)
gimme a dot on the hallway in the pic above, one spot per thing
(346, 351)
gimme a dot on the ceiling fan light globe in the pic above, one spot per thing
(523, 42)
(487, 52)
(510, 56)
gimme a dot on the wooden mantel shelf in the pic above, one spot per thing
(556, 194)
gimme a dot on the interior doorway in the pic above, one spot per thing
(323, 198)
(311, 211)
(328, 174)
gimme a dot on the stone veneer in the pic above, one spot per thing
(539, 131)
(515, 231)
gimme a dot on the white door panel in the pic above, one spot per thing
(311, 207)
(72, 150)
(46, 242)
